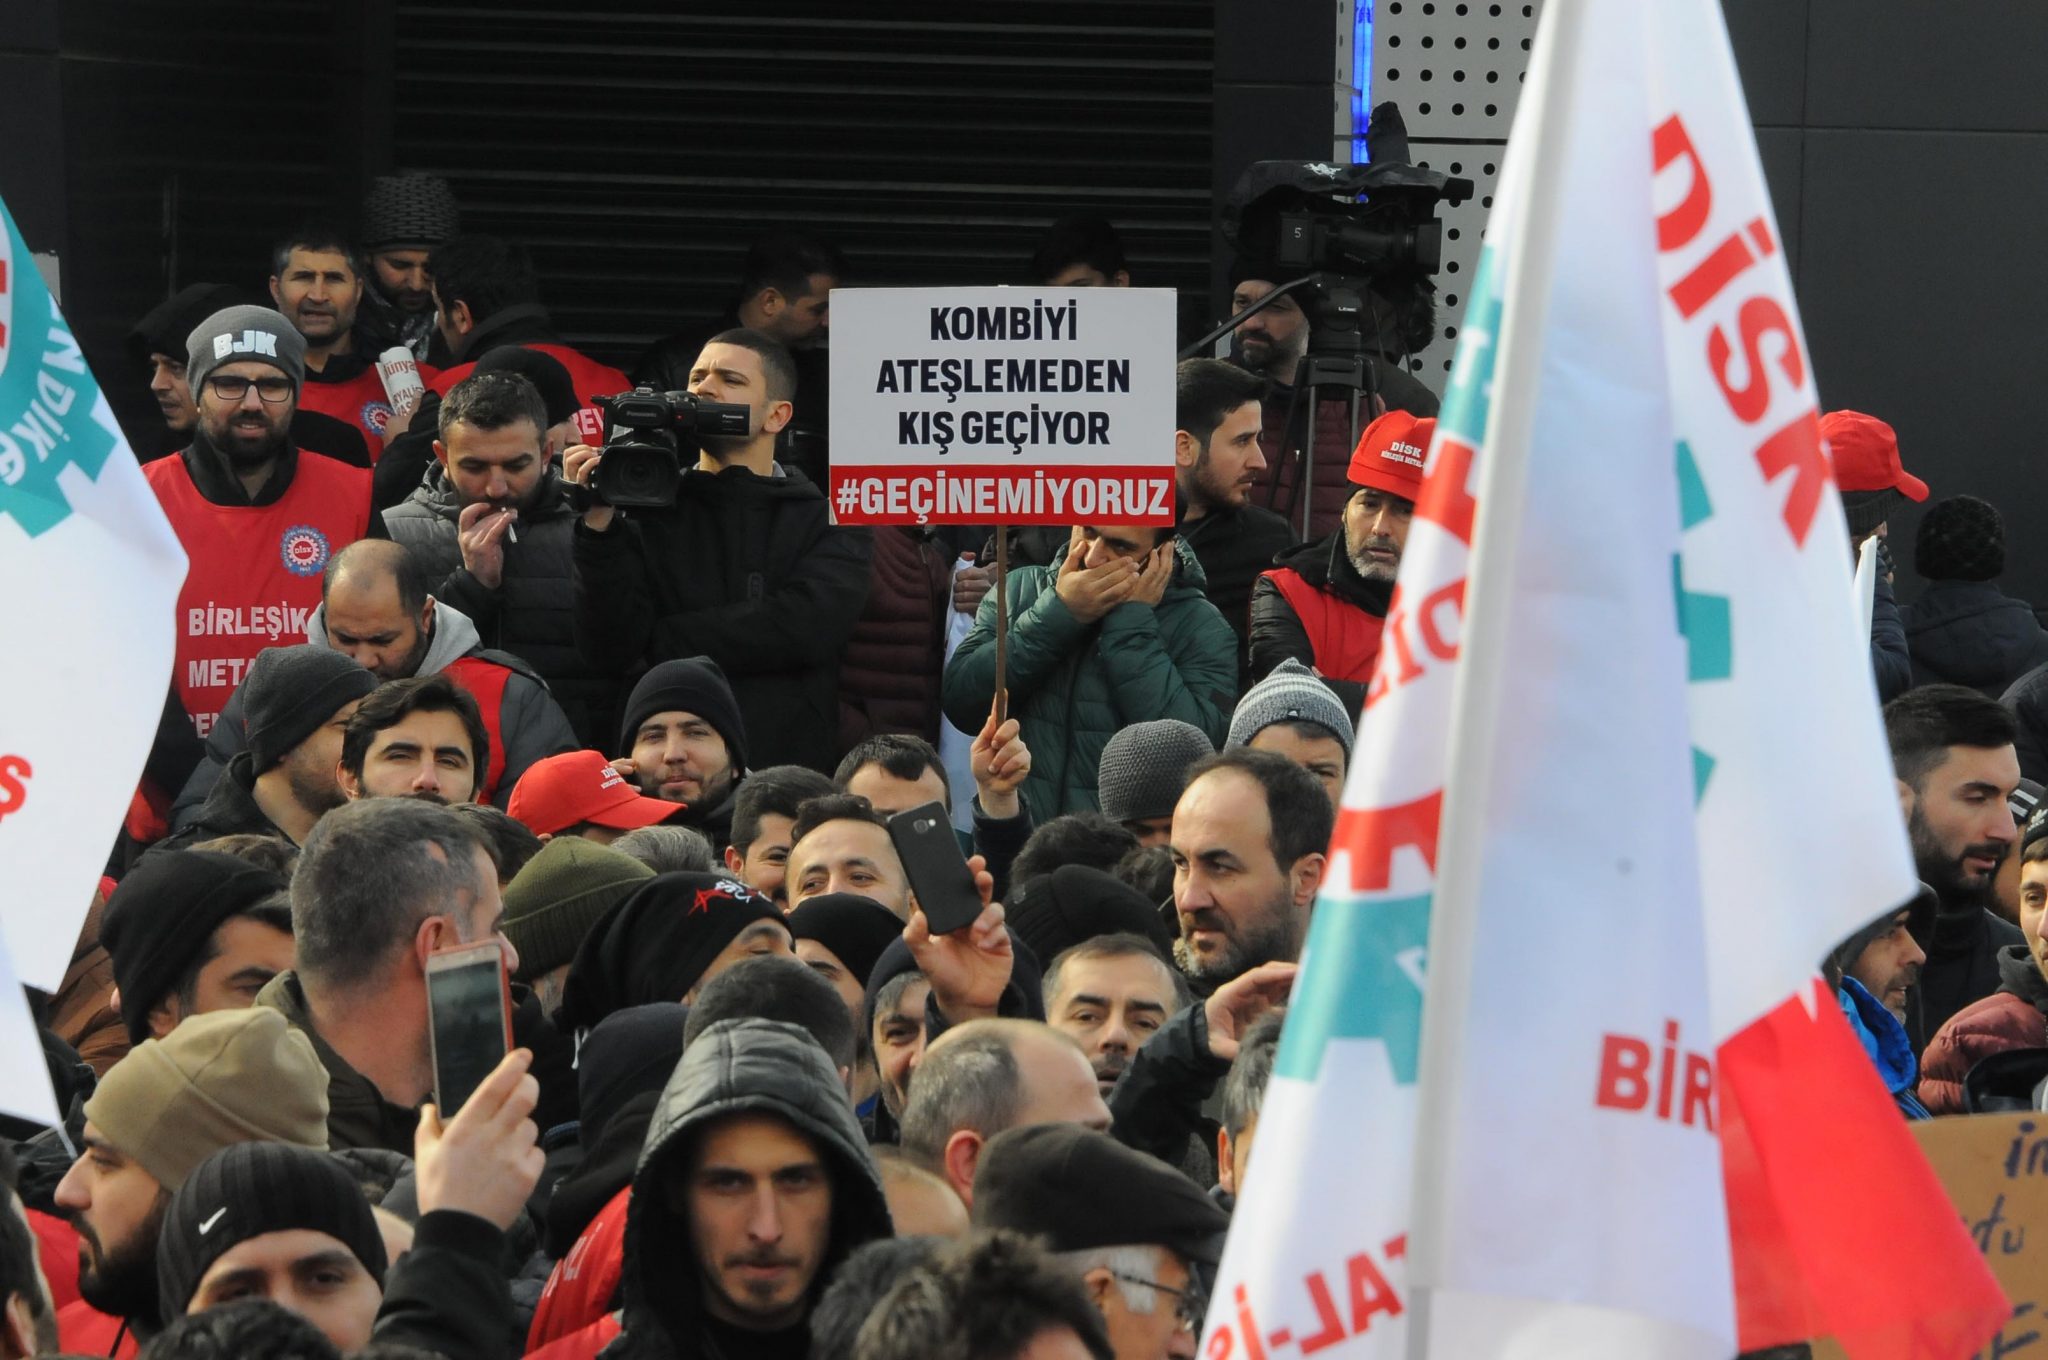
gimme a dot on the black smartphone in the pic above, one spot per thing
(469, 1020)
(936, 868)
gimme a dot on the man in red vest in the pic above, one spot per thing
(376, 608)
(257, 516)
(488, 295)
(1325, 604)
(317, 284)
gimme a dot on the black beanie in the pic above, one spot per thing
(1075, 903)
(693, 684)
(162, 915)
(557, 390)
(172, 321)
(856, 929)
(291, 692)
(629, 1053)
(249, 1189)
(415, 211)
(655, 945)
(1960, 539)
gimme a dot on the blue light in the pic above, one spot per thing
(1361, 77)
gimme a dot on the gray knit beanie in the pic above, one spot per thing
(1291, 693)
(1145, 766)
(237, 333)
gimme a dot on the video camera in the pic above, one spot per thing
(1373, 220)
(644, 432)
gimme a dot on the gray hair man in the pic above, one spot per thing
(380, 885)
(1133, 1228)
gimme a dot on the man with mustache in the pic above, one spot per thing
(1325, 603)
(1955, 768)
(754, 1184)
(421, 738)
(316, 280)
(257, 516)
(1110, 994)
(1216, 456)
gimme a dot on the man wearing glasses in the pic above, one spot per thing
(258, 517)
(1143, 1237)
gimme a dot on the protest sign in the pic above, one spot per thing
(1002, 405)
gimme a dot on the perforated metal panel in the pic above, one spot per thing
(1456, 70)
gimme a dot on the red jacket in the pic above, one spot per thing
(1343, 638)
(1999, 1022)
(581, 1293)
(889, 674)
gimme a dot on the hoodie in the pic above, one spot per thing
(529, 722)
(1972, 633)
(738, 1067)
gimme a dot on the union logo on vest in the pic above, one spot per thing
(375, 415)
(304, 550)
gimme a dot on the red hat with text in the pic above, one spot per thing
(581, 786)
(1390, 453)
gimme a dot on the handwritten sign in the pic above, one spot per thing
(1002, 405)
(1995, 1169)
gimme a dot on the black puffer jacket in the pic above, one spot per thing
(748, 571)
(740, 1067)
(532, 613)
(1972, 633)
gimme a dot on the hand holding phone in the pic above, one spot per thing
(486, 1160)
(936, 867)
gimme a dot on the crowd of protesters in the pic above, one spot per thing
(434, 691)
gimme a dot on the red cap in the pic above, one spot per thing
(582, 786)
(1865, 453)
(1390, 453)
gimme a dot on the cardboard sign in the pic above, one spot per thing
(1002, 405)
(1995, 1169)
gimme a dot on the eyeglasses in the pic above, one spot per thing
(1188, 1306)
(229, 388)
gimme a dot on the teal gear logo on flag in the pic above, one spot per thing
(47, 397)
(1363, 968)
(1706, 620)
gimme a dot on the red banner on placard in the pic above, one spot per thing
(968, 494)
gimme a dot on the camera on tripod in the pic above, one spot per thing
(643, 445)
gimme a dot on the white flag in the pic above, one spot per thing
(1618, 712)
(92, 572)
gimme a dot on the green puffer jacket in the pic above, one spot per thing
(1073, 685)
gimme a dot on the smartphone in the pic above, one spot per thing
(469, 1020)
(936, 868)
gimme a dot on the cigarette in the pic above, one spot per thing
(511, 533)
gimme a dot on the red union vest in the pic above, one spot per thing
(359, 403)
(255, 574)
(1344, 638)
(587, 377)
(485, 680)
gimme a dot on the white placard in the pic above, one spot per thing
(1002, 405)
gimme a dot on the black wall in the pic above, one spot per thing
(1907, 151)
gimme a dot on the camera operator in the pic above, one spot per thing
(1271, 345)
(745, 567)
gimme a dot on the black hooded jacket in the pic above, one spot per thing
(740, 1067)
(743, 569)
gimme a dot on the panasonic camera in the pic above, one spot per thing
(646, 433)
